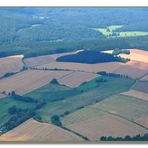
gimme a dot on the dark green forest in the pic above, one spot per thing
(91, 57)
(39, 31)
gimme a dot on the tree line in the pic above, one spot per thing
(126, 138)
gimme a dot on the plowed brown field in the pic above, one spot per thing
(145, 78)
(133, 69)
(137, 94)
(143, 120)
(76, 78)
(141, 86)
(29, 80)
(40, 60)
(108, 67)
(107, 125)
(135, 54)
(10, 64)
(33, 131)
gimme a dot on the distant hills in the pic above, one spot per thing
(39, 31)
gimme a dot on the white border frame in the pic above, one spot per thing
(74, 3)
(111, 3)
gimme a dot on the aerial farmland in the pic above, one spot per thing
(73, 82)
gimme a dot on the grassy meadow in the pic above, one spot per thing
(89, 93)
(110, 31)
(8, 102)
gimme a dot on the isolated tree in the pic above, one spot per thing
(56, 120)
(54, 81)
(13, 93)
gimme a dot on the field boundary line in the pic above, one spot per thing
(138, 79)
(65, 75)
(134, 97)
(122, 117)
(60, 69)
(76, 133)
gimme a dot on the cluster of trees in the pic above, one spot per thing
(120, 51)
(13, 110)
(38, 102)
(126, 138)
(101, 79)
(103, 73)
(38, 117)
(55, 119)
(90, 57)
(54, 81)
(21, 98)
(18, 116)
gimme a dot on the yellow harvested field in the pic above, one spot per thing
(108, 51)
(108, 67)
(135, 54)
(10, 64)
(31, 62)
(132, 71)
(40, 60)
(145, 78)
(77, 78)
(137, 67)
(138, 64)
(34, 131)
(107, 125)
(29, 80)
(136, 94)
(143, 120)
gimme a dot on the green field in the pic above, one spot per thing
(88, 95)
(128, 107)
(114, 27)
(110, 32)
(52, 92)
(132, 34)
(8, 102)
(60, 99)
(56, 92)
(104, 31)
